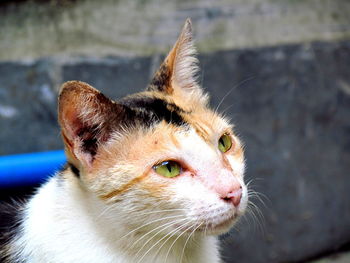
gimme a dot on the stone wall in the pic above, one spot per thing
(34, 29)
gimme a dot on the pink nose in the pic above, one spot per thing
(234, 196)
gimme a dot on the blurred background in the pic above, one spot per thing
(280, 69)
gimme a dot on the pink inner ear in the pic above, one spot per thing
(83, 142)
(71, 123)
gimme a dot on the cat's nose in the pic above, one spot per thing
(234, 196)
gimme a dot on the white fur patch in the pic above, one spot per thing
(64, 223)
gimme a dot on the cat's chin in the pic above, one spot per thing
(223, 222)
(221, 227)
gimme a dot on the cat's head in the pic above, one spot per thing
(161, 155)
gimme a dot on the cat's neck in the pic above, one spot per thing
(67, 224)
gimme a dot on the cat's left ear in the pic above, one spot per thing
(87, 119)
(178, 72)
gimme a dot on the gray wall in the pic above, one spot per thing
(291, 106)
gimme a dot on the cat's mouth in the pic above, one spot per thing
(213, 226)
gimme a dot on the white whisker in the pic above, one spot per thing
(153, 246)
(178, 237)
(164, 226)
(183, 250)
(154, 221)
(229, 92)
(171, 234)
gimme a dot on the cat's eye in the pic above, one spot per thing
(168, 169)
(225, 143)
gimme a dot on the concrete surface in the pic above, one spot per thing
(33, 29)
(291, 105)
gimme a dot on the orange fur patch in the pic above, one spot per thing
(226, 163)
(239, 153)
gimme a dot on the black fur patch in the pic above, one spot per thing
(74, 169)
(161, 80)
(89, 138)
(150, 110)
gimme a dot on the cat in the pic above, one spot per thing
(153, 177)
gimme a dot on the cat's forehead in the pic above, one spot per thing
(186, 114)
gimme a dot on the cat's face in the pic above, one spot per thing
(159, 157)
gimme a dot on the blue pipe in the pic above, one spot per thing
(29, 168)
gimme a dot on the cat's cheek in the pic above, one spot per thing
(244, 200)
(237, 165)
(161, 187)
(190, 191)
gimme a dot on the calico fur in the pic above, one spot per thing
(108, 204)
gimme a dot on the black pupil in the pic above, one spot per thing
(221, 140)
(168, 166)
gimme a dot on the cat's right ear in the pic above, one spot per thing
(87, 120)
(178, 73)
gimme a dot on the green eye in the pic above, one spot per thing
(225, 143)
(168, 169)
